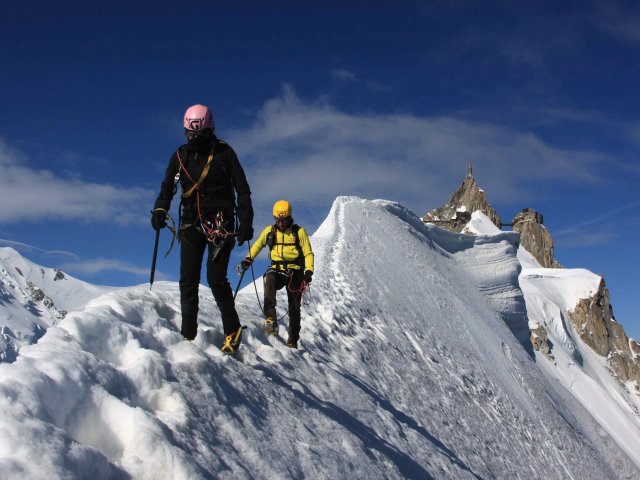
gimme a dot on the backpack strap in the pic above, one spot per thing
(271, 243)
(271, 239)
(294, 231)
(204, 174)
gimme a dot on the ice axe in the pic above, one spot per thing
(153, 262)
(242, 274)
(173, 230)
(238, 287)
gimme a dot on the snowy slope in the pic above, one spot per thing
(32, 298)
(489, 256)
(405, 371)
(550, 294)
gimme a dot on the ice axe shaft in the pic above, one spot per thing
(153, 261)
(238, 287)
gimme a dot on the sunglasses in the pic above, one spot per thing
(191, 134)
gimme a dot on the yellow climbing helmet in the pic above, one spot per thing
(281, 209)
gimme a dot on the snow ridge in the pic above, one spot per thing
(405, 371)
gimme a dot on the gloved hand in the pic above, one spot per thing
(246, 233)
(307, 276)
(158, 219)
(245, 264)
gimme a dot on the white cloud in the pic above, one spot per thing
(618, 20)
(342, 74)
(558, 115)
(311, 151)
(99, 265)
(608, 215)
(78, 266)
(600, 229)
(586, 239)
(350, 77)
(634, 132)
(38, 250)
(28, 194)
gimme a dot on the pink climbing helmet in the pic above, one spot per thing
(198, 118)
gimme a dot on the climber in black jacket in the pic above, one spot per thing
(214, 192)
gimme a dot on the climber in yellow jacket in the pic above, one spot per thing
(291, 266)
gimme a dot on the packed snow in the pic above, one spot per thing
(406, 369)
(480, 224)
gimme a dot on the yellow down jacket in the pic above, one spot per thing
(284, 252)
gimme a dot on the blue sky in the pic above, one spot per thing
(375, 99)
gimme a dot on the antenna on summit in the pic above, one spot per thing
(470, 171)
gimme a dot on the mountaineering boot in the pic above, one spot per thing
(292, 343)
(271, 326)
(232, 342)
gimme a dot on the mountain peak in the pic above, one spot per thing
(468, 198)
(33, 298)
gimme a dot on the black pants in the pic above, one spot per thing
(192, 248)
(274, 281)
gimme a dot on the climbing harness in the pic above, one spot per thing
(215, 232)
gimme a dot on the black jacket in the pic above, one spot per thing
(217, 192)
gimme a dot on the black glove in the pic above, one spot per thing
(246, 233)
(307, 276)
(158, 219)
(245, 264)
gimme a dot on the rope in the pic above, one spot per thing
(304, 288)
(213, 234)
(203, 175)
(255, 287)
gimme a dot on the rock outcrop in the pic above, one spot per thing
(466, 199)
(540, 341)
(593, 321)
(535, 237)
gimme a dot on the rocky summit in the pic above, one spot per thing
(535, 237)
(469, 197)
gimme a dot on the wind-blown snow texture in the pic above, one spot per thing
(405, 370)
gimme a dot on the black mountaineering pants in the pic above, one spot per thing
(192, 247)
(274, 281)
